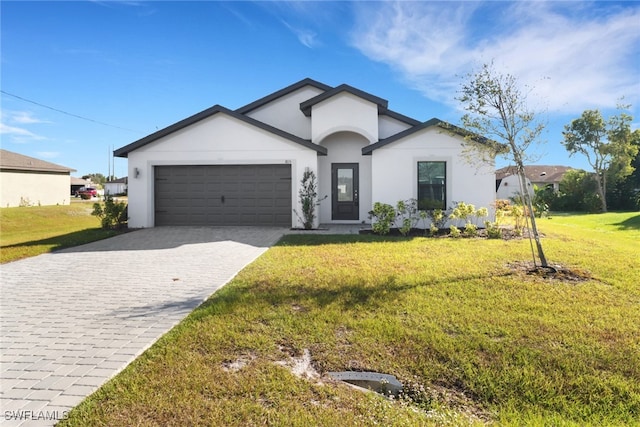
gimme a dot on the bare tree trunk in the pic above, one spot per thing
(600, 186)
(528, 205)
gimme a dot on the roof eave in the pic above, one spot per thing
(124, 151)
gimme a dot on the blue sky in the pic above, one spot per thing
(133, 67)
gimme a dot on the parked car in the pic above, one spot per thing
(87, 192)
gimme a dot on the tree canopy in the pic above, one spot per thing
(608, 146)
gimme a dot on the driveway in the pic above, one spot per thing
(73, 319)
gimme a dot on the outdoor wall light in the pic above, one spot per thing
(136, 172)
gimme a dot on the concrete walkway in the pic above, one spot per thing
(73, 319)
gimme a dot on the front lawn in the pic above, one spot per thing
(473, 340)
(34, 230)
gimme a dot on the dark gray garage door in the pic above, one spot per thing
(223, 195)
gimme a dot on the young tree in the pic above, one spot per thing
(497, 109)
(608, 146)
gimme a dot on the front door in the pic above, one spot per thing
(344, 193)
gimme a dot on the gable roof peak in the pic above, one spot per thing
(282, 92)
(306, 106)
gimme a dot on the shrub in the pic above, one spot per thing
(454, 231)
(113, 215)
(493, 230)
(307, 196)
(384, 216)
(438, 218)
(470, 230)
(407, 213)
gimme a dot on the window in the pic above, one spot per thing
(432, 185)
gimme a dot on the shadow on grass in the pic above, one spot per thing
(357, 295)
(55, 243)
(632, 223)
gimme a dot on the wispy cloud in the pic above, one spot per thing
(575, 57)
(307, 37)
(14, 125)
(25, 117)
(19, 135)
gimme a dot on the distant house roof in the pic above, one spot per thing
(122, 180)
(79, 181)
(14, 161)
(536, 173)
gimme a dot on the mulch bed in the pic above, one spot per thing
(554, 272)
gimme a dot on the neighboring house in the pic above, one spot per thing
(117, 186)
(244, 166)
(78, 183)
(507, 184)
(26, 181)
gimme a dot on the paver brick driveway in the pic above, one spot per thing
(73, 319)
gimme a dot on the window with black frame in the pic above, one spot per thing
(432, 185)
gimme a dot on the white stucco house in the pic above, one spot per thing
(542, 176)
(245, 166)
(27, 181)
(116, 186)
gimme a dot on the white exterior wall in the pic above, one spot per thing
(217, 140)
(510, 187)
(344, 112)
(395, 170)
(389, 126)
(284, 113)
(115, 188)
(35, 188)
(344, 147)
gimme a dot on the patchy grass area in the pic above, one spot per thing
(475, 341)
(34, 230)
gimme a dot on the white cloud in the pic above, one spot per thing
(307, 37)
(574, 56)
(13, 125)
(19, 134)
(25, 117)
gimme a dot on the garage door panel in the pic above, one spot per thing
(223, 195)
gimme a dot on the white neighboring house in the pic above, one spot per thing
(117, 186)
(244, 166)
(26, 181)
(509, 187)
(542, 176)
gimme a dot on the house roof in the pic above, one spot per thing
(124, 151)
(79, 181)
(306, 106)
(446, 127)
(282, 92)
(536, 173)
(14, 161)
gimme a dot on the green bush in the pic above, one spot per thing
(113, 215)
(384, 217)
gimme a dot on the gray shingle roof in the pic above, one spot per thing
(15, 161)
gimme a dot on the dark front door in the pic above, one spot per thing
(344, 193)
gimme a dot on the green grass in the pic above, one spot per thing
(34, 230)
(474, 340)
